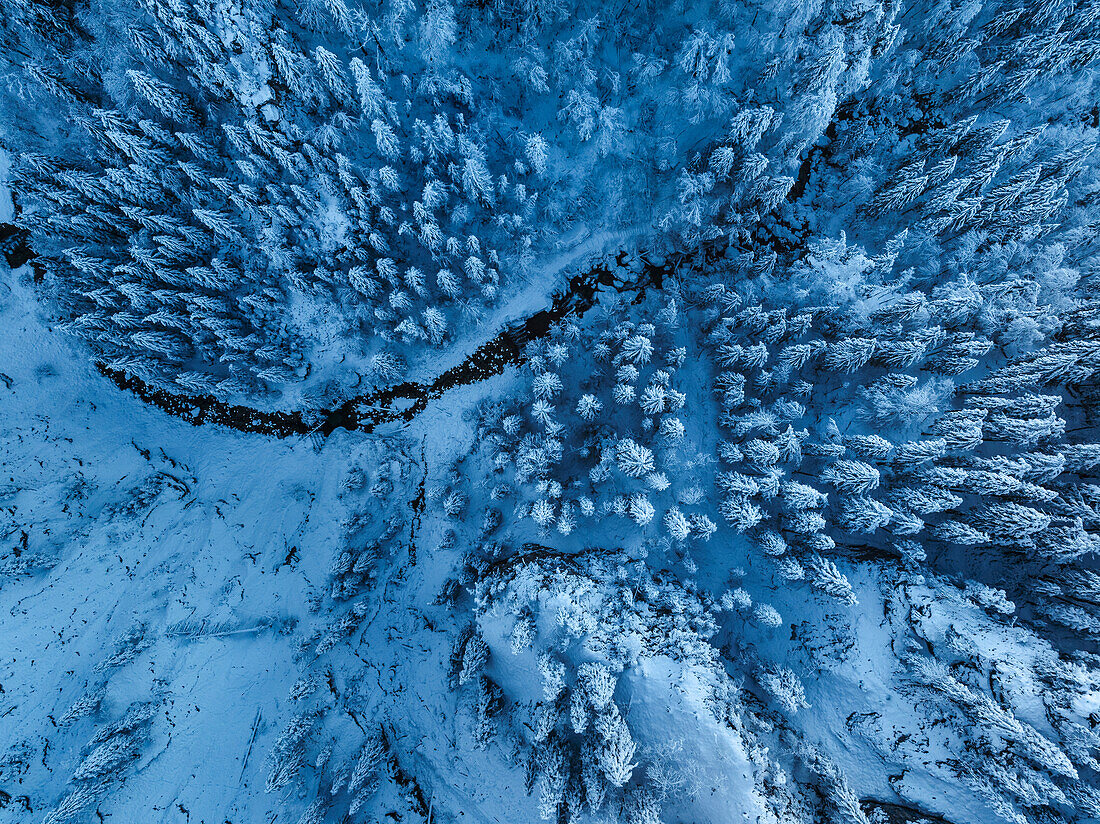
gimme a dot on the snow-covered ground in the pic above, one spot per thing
(133, 524)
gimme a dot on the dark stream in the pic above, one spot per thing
(404, 401)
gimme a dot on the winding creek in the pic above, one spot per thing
(403, 402)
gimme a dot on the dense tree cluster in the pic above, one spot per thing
(603, 431)
(586, 630)
(246, 197)
(225, 184)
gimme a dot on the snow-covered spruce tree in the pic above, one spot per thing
(106, 760)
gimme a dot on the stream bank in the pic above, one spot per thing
(404, 401)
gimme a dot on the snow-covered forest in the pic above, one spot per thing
(438, 411)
